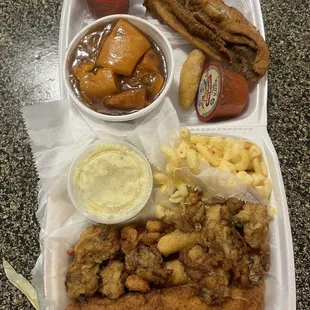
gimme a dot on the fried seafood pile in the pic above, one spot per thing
(217, 29)
(232, 249)
(199, 257)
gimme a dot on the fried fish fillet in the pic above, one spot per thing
(175, 298)
(219, 30)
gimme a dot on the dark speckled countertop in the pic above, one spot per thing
(29, 75)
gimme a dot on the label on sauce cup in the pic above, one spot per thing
(209, 91)
(221, 93)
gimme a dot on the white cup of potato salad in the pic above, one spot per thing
(109, 86)
(110, 182)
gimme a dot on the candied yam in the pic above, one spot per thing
(136, 81)
(150, 62)
(123, 48)
(152, 81)
(101, 84)
(128, 100)
(157, 83)
(82, 68)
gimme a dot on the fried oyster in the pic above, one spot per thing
(191, 214)
(219, 30)
(97, 244)
(147, 263)
(113, 278)
(107, 261)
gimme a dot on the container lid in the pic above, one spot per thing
(110, 182)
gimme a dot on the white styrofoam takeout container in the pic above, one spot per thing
(280, 281)
(251, 125)
(147, 28)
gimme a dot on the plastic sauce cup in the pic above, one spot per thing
(110, 182)
(221, 93)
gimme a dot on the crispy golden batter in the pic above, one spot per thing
(205, 274)
(149, 238)
(219, 30)
(154, 226)
(250, 298)
(176, 298)
(233, 206)
(224, 254)
(229, 248)
(198, 258)
(97, 244)
(147, 263)
(136, 284)
(132, 236)
(129, 239)
(178, 276)
(113, 279)
(219, 236)
(164, 11)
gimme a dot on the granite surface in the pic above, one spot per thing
(29, 75)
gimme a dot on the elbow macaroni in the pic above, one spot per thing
(242, 158)
(180, 193)
(192, 161)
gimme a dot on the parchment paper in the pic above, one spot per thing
(58, 132)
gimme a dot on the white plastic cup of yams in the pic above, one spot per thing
(146, 28)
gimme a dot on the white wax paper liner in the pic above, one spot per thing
(58, 132)
(147, 133)
(219, 184)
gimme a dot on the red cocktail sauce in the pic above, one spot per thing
(222, 93)
(101, 8)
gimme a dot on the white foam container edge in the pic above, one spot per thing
(251, 125)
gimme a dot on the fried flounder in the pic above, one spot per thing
(175, 298)
(220, 31)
